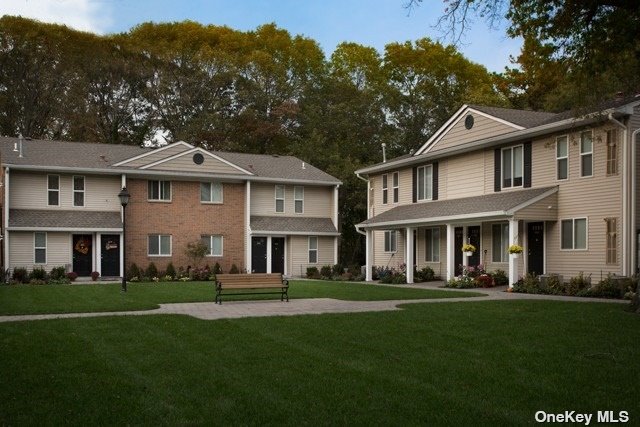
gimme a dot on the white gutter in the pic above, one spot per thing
(625, 196)
(294, 233)
(450, 218)
(74, 229)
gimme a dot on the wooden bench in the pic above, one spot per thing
(259, 283)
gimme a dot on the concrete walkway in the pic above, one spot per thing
(296, 307)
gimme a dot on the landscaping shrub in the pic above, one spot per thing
(171, 271)
(484, 280)
(500, 278)
(337, 270)
(313, 273)
(216, 268)
(578, 285)
(355, 269)
(529, 284)
(58, 273)
(72, 276)
(426, 274)
(234, 269)
(94, 275)
(200, 273)
(461, 282)
(20, 275)
(325, 271)
(152, 271)
(134, 272)
(346, 277)
(379, 273)
(37, 282)
(38, 273)
(609, 287)
(553, 285)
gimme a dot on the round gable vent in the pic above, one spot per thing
(198, 158)
(468, 122)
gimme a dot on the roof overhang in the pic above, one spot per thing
(292, 233)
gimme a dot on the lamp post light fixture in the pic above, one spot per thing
(124, 201)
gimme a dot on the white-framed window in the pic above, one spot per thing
(39, 247)
(211, 192)
(391, 241)
(385, 189)
(500, 242)
(612, 240)
(612, 152)
(279, 192)
(159, 191)
(512, 166)
(425, 182)
(78, 190)
(313, 250)
(214, 244)
(586, 153)
(562, 158)
(53, 190)
(159, 245)
(432, 244)
(396, 186)
(298, 199)
(573, 234)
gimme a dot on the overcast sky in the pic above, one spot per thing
(329, 22)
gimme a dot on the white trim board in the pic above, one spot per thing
(153, 151)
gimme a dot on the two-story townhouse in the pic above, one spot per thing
(262, 213)
(563, 186)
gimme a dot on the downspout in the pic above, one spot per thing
(634, 195)
(625, 196)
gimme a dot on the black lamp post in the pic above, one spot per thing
(124, 201)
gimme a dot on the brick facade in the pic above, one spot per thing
(185, 218)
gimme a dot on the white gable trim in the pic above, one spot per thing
(454, 120)
(196, 150)
(140, 156)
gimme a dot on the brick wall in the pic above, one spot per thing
(185, 219)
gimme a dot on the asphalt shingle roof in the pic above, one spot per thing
(524, 118)
(495, 202)
(292, 224)
(63, 219)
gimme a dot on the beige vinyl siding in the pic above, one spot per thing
(464, 175)
(318, 201)
(22, 254)
(483, 127)
(185, 163)
(439, 268)
(542, 210)
(298, 250)
(386, 259)
(29, 191)
(156, 156)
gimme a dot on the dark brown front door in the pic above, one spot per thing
(110, 255)
(259, 254)
(277, 255)
(82, 254)
(535, 248)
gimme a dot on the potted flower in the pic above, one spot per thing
(468, 249)
(515, 250)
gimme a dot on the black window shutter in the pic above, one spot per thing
(415, 184)
(435, 181)
(527, 165)
(496, 169)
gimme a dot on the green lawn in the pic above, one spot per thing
(27, 299)
(483, 362)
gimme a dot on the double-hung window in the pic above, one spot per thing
(562, 158)
(298, 199)
(586, 153)
(40, 248)
(425, 182)
(211, 192)
(279, 198)
(573, 233)
(390, 241)
(78, 191)
(385, 189)
(313, 249)
(159, 190)
(396, 187)
(159, 245)
(213, 244)
(512, 166)
(432, 245)
(53, 190)
(612, 152)
(499, 242)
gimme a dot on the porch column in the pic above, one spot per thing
(369, 255)
(408, 255)
(513, 237)
(451, 258)
(465, 239)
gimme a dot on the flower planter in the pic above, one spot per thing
(514, 255)
(468, 253)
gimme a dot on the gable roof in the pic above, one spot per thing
(523, 118)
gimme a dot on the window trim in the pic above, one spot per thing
(210, 237)
(160, 200)
(608, 248)
(46, 241)
(392, 243)
(284, 198)
(427, 243)
(159, 254)
(504, 256)
(395, 185)
(310, 249)
(586, 154)
(49, 190)
(612, 166)
(573, 234)
(385, 189)
(566, 141)
(74, 191)
(211, 201)
(513, 165)
(295, 199)
(427, 183)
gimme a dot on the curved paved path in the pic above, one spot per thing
(296, 307)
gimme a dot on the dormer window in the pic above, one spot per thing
(512, 166)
